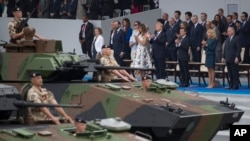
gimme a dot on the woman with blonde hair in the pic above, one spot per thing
(210, 46)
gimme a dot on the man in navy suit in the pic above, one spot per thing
(118, 40)
(86, 36)
(177, 15)
(188, 16)
(182, 44)
(196, 33)
(231, 56)
(171, 36)
(244, 35)
(158, 41)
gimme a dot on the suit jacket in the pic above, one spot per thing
(232, 49)
(55, 8)
(73, 8)
(190, 25)
(166, 26)
(183, 49)
(244, 34)
(196, 35)
(158, 45)
(119, 42)
(171, 36)
(44, 7)
(89, 33)
(177, 24)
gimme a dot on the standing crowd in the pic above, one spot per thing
(222, 39)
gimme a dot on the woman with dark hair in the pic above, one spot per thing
(220, 26)
(132, 41)
(128, 32)
(142, 57)
(97, 43)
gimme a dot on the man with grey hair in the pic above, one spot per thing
(170, 44)
(196, 32)
(231, 57)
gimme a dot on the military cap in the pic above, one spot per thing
(105, 46)
(146, 78)
(160, 21)
(80, 120)
(16, 9)
(35, 74)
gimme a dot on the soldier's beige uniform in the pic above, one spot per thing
(108, 61)
(39, 96)
(12, 26)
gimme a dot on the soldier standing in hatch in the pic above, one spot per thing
(37, 94)
(13, 25)
(146, 82)
(80, 125)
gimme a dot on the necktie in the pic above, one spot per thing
(83, 27)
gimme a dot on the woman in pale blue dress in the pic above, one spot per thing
(142, 57)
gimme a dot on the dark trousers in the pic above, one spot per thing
(86, 49)
(127, 51)
(196, 55)
(184, 74)
(160, 67)
(246, 58)
(172, 55)
(233, 72)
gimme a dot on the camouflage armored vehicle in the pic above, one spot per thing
(163, 113)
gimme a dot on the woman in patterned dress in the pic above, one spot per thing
(142, 57)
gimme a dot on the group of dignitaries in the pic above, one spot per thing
(175, 40)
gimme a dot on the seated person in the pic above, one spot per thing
(146, 82)
(80, 125)
(108, 60)
(37, 94)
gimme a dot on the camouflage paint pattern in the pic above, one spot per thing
(200, 121)
(58, 134)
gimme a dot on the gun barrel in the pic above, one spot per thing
(24, 104)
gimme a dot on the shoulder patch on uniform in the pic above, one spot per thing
(32, 97)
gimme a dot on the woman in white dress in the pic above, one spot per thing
(142, 57)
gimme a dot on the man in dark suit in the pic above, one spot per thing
(118, 41)
(158, 41)
(203, 24)
(222, 17)
(188, 16)
(171, 36)
(195, 39)
(231, 56)
(165, 18)
(54, 9)
(72, 9)
(244, 35)
(92, 9)
(229, 24)
(182, 44)
(177, 15)
(235, 17)
(86, 36)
